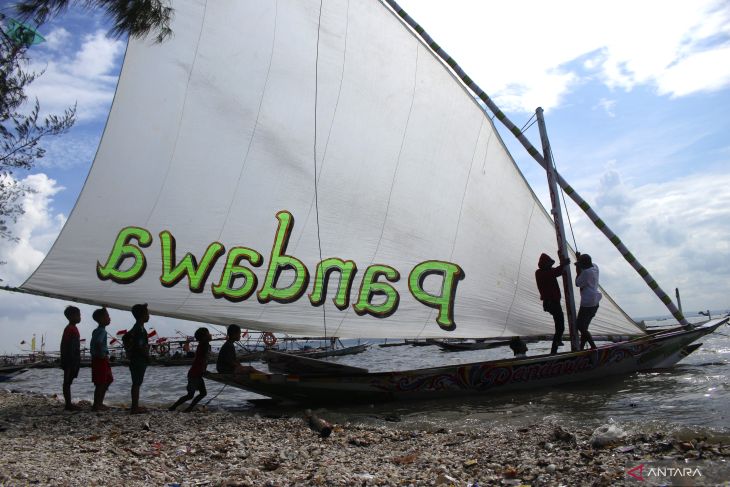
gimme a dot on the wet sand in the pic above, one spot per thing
(44, 445)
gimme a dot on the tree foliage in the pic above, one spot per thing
(135, 18)
(20, 128)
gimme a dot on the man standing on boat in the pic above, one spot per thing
(587, 280)
(547, 283)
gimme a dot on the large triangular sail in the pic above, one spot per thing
(413, 211)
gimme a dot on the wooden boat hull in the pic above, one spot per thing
(653, 351)
(469, 346)
(337, 352)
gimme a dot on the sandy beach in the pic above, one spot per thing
(44, 445)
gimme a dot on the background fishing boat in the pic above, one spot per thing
(8, 372)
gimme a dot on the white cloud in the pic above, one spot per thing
(607, 106)
(678, 230)
(97, 56)
(532, 53)
(57, 39)
(36, 230)
(86, 77)
(68, 151)
(687, 76)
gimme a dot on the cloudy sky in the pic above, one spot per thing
(636, 97)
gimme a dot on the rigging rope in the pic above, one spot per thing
(525, 127)
(316, 194)
(216, 395)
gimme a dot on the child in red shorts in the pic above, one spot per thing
(101, 371)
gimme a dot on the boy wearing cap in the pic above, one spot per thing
(587, 280)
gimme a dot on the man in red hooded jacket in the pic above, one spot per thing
(546, 277)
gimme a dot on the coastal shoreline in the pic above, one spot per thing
(45, 445)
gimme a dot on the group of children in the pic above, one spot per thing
(136, 347)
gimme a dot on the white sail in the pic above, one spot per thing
(211, 141)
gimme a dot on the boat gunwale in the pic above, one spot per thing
(700, 330)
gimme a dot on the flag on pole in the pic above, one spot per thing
(152, 333)
(113, 341)
(121, 332)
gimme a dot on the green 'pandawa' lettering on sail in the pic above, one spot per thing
(233, 271)
(451, 274)
(197, 274)
(238, 282)
(347, 270)
(371, 287)
(278, 262)
(122, 251)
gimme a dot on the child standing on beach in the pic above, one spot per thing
(195, 374)
(101, 371)
(137, 348)
(70, 353)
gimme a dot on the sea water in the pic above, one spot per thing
(692, 397)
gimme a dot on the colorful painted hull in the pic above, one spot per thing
(659, 350)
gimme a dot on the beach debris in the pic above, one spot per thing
(226, 448)
(444, 479)
(405, 459)
(561, 434)
(606, 435)
(359, 441)
(318, 424)
(270, 464)
(685, 446)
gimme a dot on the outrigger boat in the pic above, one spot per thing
(412, 218)
(322, 382)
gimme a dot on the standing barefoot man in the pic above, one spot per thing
(587, 280)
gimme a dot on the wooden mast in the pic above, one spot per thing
(559, 230)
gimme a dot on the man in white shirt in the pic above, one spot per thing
(587, 280)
